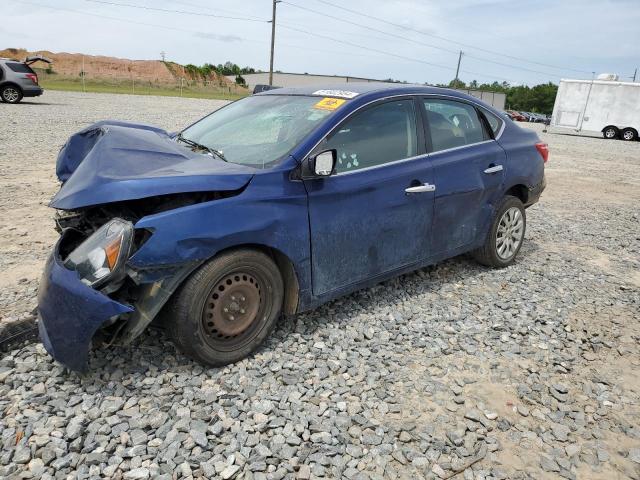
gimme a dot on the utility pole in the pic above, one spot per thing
(457, 80)
(634, 75)
(273, 40)
(162, 54)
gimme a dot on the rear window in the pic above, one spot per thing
(494, 122)
(19, 67)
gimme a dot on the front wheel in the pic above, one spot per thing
(10, 94)
(225, 310)
(505, 236)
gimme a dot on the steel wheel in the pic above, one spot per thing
(610, 133)
(227, 307)
(234, 304)
(509, 233)
(10, 94)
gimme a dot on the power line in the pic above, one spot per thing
(201, 34)
(515, 67)
(204, 34)
(183, 12)
(369, 28)
(218, 9)
(117, 19)
(405, 27)
(344, 42)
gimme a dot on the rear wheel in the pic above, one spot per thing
(629, 134)
(505, 236)
(10, 94)
(226, 308)
(610, 132)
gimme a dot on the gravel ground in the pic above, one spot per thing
(526, 373)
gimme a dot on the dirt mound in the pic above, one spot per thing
(100, 67)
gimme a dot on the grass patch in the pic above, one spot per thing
(141, 88)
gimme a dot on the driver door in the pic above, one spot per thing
(373, 215)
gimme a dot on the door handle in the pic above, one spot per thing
(494, 169)
(421, 188)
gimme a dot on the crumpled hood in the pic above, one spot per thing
(113, 161)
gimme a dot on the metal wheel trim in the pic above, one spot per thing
(10, 94)
(610, 133)
(225, 334)
(628, 135)
(509, 233)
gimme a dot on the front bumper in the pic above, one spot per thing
(70, 313)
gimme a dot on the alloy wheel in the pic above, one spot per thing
(510, 233)
(10, 95)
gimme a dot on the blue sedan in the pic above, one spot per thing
(273, 205)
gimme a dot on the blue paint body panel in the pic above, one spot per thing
(70, 313)
(340, 233)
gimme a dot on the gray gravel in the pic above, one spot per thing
(525, 373)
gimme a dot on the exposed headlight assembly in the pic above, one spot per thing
(102, 256)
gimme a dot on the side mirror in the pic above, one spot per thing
(324, 163)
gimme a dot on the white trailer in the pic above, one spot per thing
(603, 107)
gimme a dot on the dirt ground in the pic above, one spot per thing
(591, 202)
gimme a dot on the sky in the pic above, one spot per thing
(518, 41)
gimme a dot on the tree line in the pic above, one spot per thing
(227, 68)
(538, 99)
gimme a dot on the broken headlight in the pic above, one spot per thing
(102, 255)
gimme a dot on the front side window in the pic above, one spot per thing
(452, 124)
(258, 131)
(380, 134)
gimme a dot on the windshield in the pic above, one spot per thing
(257, 131)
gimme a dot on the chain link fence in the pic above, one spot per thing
(136, 77)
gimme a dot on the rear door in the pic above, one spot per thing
(468, 168)
(363, 220)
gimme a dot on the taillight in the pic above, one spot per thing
(543, 150)
(33, 77)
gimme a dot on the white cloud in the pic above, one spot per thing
(589, 35)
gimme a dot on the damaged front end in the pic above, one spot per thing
(89, 288)
(115, 175)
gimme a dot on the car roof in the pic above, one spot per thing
(362, 92)
(362, 88)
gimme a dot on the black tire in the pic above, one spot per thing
(610, 132)
(195, 317)
(629, 134)
(18, 333)
(10, 94)
(489, 254)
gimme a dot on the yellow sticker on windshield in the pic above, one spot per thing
(329, 103)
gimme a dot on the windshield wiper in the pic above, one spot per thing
(199, 146)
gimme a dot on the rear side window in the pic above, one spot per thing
(494, 122)
(452, 124)
(19, 67)
(378, 135)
